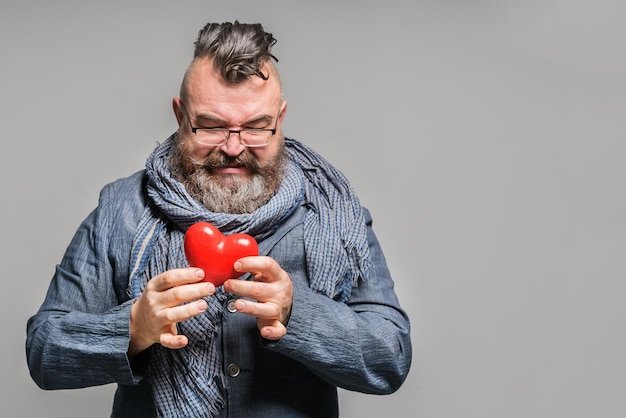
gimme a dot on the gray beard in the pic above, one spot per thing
(228, 193)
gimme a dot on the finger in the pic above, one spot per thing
(279, 292)
(175, 277)
(267, 310)
(267, 266)
(274, 331)
(180, 313)
(249, 289)
(186, 293)
(173, 341)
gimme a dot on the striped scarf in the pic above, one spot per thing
(189, 381)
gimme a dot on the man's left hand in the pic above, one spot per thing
(271, 288)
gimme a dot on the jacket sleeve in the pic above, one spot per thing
(363, 345)
(79, 336)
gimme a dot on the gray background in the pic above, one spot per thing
(487, 138)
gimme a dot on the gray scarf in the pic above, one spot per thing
(188, 381)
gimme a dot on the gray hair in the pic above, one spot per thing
(238, 50)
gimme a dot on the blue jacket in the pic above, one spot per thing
(80, 335)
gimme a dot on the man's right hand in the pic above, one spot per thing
(168, 298)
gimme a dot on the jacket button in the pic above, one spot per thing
(230, 305)
(233, 370)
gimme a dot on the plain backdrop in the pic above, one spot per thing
(486, 137)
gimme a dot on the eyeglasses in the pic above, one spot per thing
(216, 137)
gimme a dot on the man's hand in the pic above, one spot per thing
(163, 303)
(271, 288)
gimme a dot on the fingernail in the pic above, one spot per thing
(199, 273)
(201, 305)
(237, 265)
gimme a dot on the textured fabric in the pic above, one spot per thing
(79, 336)
(335, 234)
(189, 381)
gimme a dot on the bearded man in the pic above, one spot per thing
(315, 311)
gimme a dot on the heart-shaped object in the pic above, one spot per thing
(215, 253)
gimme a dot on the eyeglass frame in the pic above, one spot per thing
(232, 131)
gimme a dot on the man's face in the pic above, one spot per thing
(230, 178)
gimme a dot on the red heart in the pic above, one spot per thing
(215, 253)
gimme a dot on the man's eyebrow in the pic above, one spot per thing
(207, 118)
(261, 119)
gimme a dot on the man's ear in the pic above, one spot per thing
(177, 105)
(283, 111)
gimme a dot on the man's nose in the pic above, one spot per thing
(233, 146)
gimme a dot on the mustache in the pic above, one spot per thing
(219, 160)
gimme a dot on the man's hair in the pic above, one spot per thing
(238, 50)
